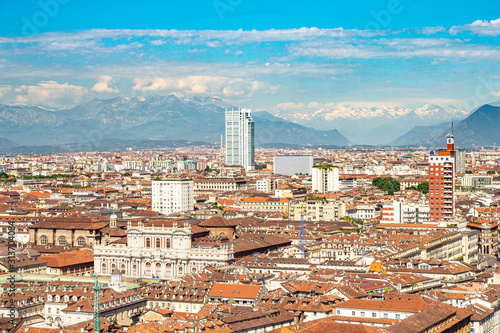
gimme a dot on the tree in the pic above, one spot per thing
(388, 184)
(127, 174)
(491, 172)
(468, 171)
(423, 187)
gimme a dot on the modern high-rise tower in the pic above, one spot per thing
(240, 138)
(442, 182)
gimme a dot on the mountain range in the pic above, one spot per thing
(481, 128)
(374, 124)
(145, 118)
(160, 120)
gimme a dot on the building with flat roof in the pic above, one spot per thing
(172, 196)
(290, 165)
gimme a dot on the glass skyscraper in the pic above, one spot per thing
(240, 138)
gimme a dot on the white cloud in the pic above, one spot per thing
(479, 27)
(4, 89)
(103, 85)
(495, 93)
(51, 93)
(158, 42)
(432, 30)
(444, 48)
(212, 38)
(209, 85)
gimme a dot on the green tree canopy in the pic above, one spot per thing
(423, 187)
(388, 184)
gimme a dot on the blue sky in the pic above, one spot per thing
(274, 55)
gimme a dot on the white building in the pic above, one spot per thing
(161, 249)
(133, 165)
(172, 196)
(160, 164)
(240, 138)
(266, 185)
(186, 165)
(399, 212)
(325, 178)
(290, 165)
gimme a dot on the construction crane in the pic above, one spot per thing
(103, 182)
(97, 304)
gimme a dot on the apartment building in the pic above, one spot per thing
(172, 196)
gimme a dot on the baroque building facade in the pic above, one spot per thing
(159, 251)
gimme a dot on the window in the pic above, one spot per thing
(362, 313)
(168, 243)
(148, 242)
(374, 315)
(81, 241)
(386, 315)
(62, 241)
(44, 240)
(158, 243)
(398, 316)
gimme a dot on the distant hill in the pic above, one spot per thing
(481, 128)
(419, 135)
(271, 129)
(156, 118)
(6, 143)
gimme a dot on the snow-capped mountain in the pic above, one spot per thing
(377, 124)
(147, 118)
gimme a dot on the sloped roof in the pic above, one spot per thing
(217, 221)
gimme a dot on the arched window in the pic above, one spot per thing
(147, 269)
(158, 243)
(168, 243)
(103, 268)
(122, 268)
(62, 241)
(44, 240)
(81, 241)
(158, 269)
(148, 242)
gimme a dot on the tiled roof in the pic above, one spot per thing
(240, 291)
(218, 221)
(72, 258)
